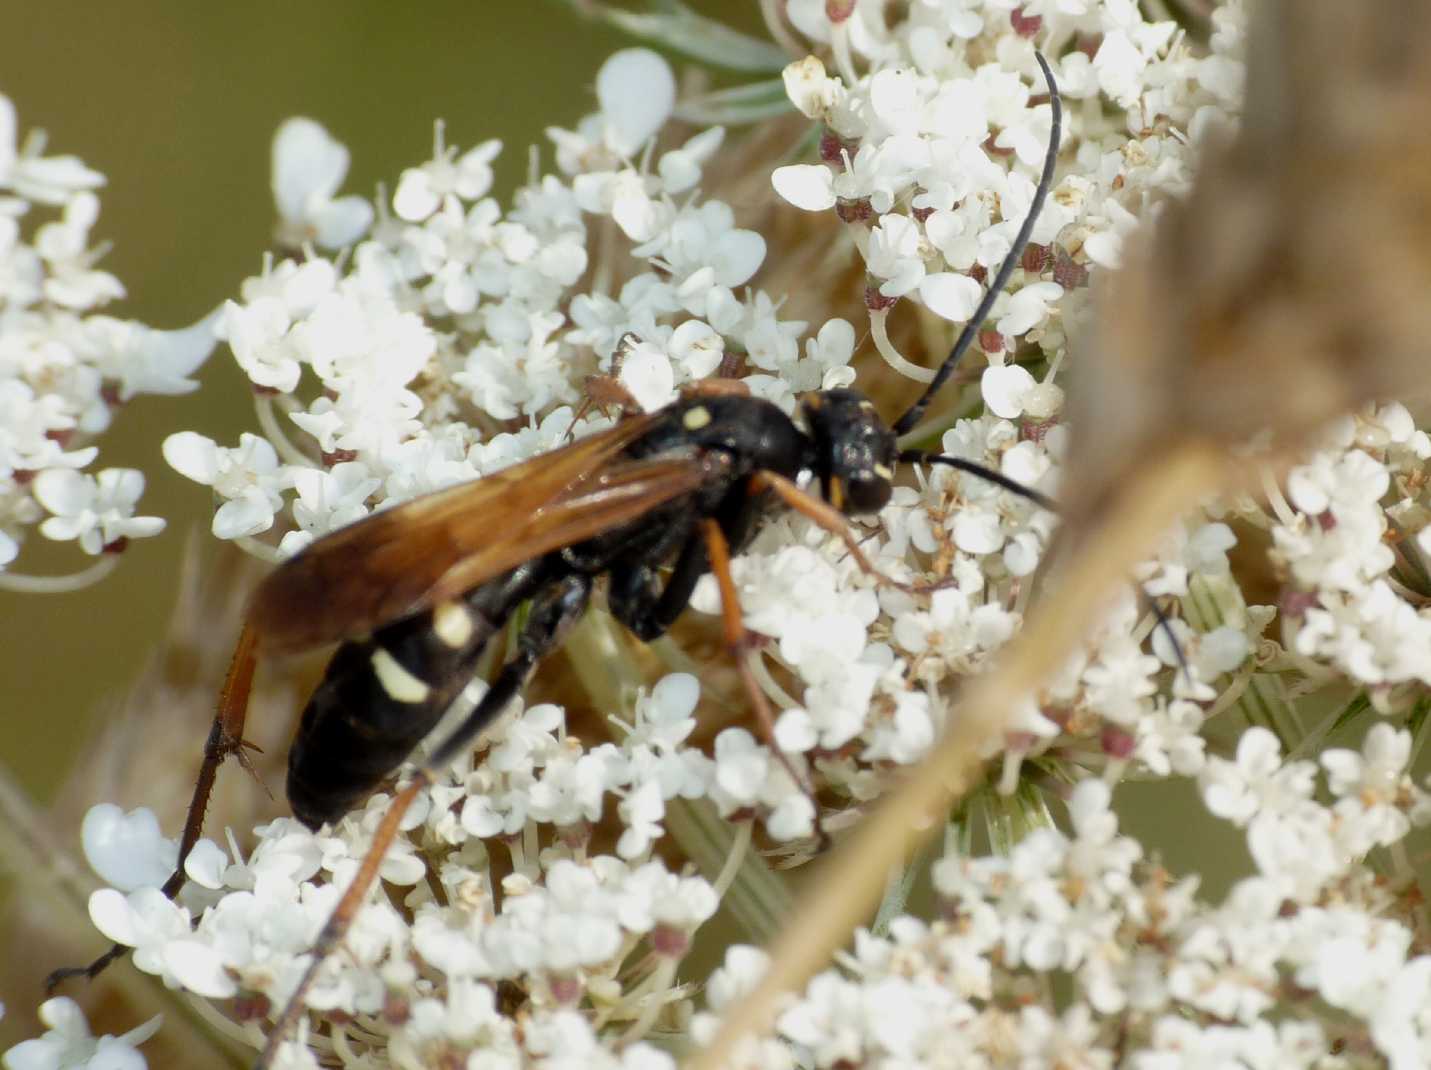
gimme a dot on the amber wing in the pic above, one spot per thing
(404, 559)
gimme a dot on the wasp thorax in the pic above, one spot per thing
(854, 450)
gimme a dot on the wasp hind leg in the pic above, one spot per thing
(225, 740)
(552, 614)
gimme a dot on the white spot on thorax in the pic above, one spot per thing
(452, 624)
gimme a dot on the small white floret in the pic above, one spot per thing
(309, 165)
(1005, 387)
(128, 851)
(637, 91)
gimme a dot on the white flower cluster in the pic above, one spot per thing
(527, 914)
(450, 322)
(1353, 529)
(1158, 978)
(65, 368)
(919, 150)
(68, 1043)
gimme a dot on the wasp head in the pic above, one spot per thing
(854, 450)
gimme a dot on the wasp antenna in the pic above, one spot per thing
(975, 469)
(971, 328)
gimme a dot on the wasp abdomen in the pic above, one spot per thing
(380, 696)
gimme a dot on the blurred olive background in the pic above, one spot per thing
(176, 103)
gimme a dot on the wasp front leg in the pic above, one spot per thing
(738, 642)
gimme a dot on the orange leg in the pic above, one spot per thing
(336, 927)
(737, 641)
(225, 740)
(829, 518)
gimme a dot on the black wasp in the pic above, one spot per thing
(415, 593)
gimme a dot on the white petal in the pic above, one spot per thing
(650, 378)
(636, 90)
(121, 486)
(1004, 387)
(307, 160)
(127, 850)
(951, 295)
(63, 491)
(792, 819)
(342, 222)
(178, 354)
(697, 346)
(1105, 248)
(110, 912)
(1021, 553)
(1222, 649)
(111, 1053)
(63, 1014)
(62, 529)
(414, 199)
(676, 694)
(199, 968)
(291, 543)
(807, 85)
(402, 869)
(795, 731)
(193, 456)
(678, 171)
(206, 864)
(739, 255)
(1023, 463)
(836, 342)
(243, 516)
(807, 186)
(1306, 491)
(977, 532)
(895, 100)
(638, 216)
(1028, 308)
